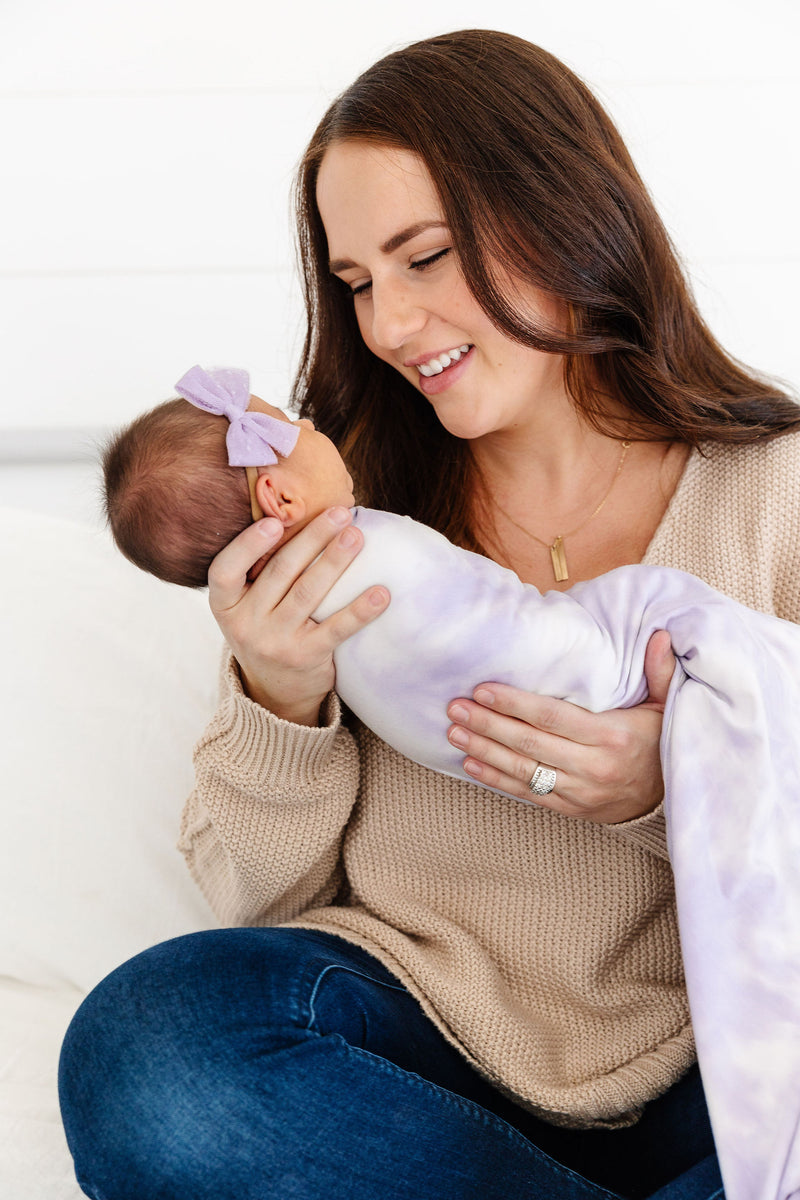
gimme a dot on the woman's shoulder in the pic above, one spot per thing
(746, 481)
(734, 521)
(766, 469)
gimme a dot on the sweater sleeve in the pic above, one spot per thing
(262, 830)
(648, 832)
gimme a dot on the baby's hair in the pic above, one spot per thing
(171, 499)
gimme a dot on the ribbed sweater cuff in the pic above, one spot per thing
(259, 745)
(649, 832)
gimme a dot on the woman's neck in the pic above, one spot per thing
(602, 496)
(552, 465)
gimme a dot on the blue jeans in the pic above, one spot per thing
(241, 1064)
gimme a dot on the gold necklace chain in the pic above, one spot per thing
(556, 547)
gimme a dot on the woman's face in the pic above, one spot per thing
(387, 241)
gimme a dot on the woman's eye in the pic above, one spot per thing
(421, 263)
(361, 289)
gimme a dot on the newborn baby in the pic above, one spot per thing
(172, 498)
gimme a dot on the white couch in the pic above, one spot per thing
(108, 678)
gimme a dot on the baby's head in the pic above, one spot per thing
(173, 500)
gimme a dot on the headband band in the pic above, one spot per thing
(256, 511)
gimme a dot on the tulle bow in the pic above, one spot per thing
(254, 439)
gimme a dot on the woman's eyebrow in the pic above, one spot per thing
(394, 243)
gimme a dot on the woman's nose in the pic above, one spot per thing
(395, 315)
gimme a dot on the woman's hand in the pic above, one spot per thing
(607, 765)
(285, 658)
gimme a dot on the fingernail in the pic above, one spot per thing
(339, 516)
(459, 738)
(270, 528)
(348, 538)
(377, 597)
(473, 768)
(456, 712)
(484, 697)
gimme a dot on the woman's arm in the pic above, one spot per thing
(262, 830)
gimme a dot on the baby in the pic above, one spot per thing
(173, 498)
(181, 482)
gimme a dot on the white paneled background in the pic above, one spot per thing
(147, 149)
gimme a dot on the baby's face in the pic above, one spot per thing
(315, 465)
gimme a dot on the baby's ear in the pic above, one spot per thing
(278, 497)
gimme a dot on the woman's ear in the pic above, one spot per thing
(279, 497)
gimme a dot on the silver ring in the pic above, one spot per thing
(542, 781)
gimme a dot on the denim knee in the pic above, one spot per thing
(150, 1071)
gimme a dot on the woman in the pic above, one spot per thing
(466, 996)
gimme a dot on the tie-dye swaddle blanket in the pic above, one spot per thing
(731, 759)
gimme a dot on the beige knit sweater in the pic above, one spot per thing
(544, 947)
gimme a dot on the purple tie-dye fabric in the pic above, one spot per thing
(731, 758)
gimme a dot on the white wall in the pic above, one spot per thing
(147, 148)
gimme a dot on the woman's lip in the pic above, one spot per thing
(431, 385)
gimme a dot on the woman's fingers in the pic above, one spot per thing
(293, 671)
(295, 605)
(533, 725)
(495, 765)
(341, 625)
(659, 667)
(227, 575)
(507, 752)
(285, 658)
(505, 743)
(291, 574)
(302, 573)
(607, 764)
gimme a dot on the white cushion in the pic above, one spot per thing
(35, 1163)
(108, 678)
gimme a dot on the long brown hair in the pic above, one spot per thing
(534, 178)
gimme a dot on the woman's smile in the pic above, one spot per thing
(439, 371)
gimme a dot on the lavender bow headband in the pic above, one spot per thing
(254, 439)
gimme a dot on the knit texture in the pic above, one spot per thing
(544, 947)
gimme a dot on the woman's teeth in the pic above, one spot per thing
(436, 365)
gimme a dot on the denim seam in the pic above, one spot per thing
(484, 1116)
(395, 987)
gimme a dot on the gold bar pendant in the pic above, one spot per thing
(559, 560)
